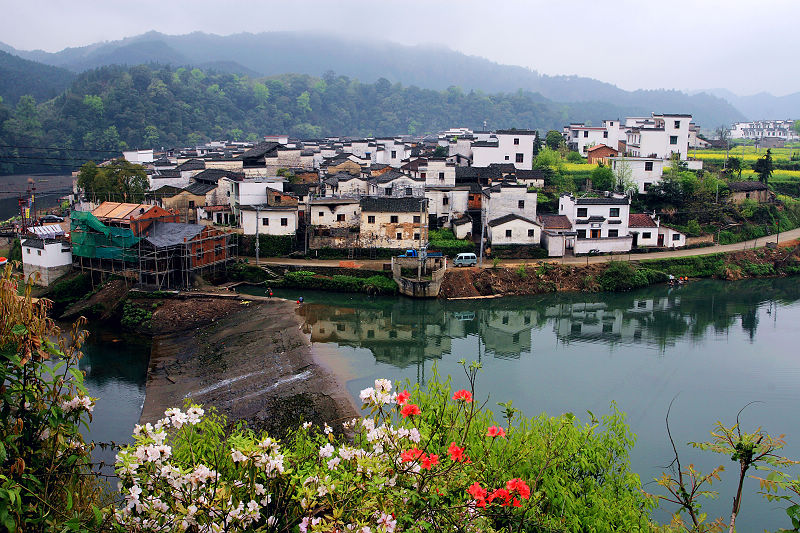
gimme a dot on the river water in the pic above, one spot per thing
(713, 346)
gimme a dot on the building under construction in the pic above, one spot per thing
(146, 244)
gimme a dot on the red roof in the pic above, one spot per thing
(598, 146)
(640, 220)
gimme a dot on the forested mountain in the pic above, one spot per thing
(143, 107)
(432, 67)
(762, 106)
(19, 76)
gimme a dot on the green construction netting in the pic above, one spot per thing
(91, 238)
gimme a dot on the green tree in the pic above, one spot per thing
(764, 167)
(120, 180)
(735, 166)
(603, 179)
(304, 102)
(441, 151)
(537, 144)
(554, 140)
(150, 136)
(623, 177)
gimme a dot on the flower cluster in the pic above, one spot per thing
(77, 403)
(504, 496)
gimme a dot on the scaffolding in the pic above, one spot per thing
(167, 254)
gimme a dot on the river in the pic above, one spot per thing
(713, 346)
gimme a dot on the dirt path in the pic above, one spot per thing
(252, 363)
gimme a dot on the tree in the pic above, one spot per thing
(724, 135)
(603, 179)
(554, 140)
(441, 151)
(735, 166)
(795, 125)
(623, 177)
(764, 167)
(537, 144)
(120, 180)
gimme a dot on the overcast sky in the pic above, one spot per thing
(741, 45)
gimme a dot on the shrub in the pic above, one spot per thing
(575, 157)
(305, 279)
(424, 459)
(15, 252)
(622, 276)
(246, 272)
(45, 465)
(136, 317)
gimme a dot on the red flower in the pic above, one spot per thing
(495, 431)
(456, 453)
(428, 462)
(411, 455)
(500, 494)
(463, 395)
(410, 409)
(476, 491)
(403, 397)
(520, 487)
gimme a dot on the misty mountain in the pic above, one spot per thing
(19, 76)
(762, 106)
(432, 67)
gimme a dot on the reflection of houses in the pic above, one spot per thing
(506, 332)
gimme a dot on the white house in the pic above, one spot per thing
(660, 136)
(643, 229)
(514, 229)
(557, 234)
(601, 224)
(758, 129)
(447, 203)
(50, 258)
(647, 171)
(388, 222)
(437, 172)
(395, 183)
(391, 152)
(505, 146)
(580, 137)
(335, 212)
(268, 219)
(508, 199)
(670, 238)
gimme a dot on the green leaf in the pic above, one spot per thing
(19, 330)
(3, 454)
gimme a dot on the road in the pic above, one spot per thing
(377, 264)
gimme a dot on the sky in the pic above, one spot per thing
(741, 45)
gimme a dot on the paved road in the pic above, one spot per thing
(378, 264)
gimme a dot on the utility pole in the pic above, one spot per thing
(483, 230)
(423, 251)
(258, 216)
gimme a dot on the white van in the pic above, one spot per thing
(465, 260)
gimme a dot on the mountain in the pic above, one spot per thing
(432, 67)
(762, 106)
(19, 76)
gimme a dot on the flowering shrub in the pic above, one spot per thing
(44, 461)
(421, 460)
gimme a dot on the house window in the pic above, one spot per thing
(393, 219)
(199, 254)
(605, 135)
(441, 176)
(38, 252)
(322, 214)
(647, 185)
(521, 204)
(393, 334)
(575, 328)
(585, 134)
(676, 236)
(416, 236)
(673, 139)
(582, 212)
(388, 191)
(526, 319)
(228, 193)
(416, 219)
(409, 192)
(340, 217)
(399, 236)
(520, 158)
(191, 204)
(608, 328)
(595, 234)
(28, 250)
(581, 233)
(531, 233)
(217, 249)
(508, 233)
(505, 320)
(516, 141)
(648, 166)
(370, 333)
(339, 327)
(613, 212)
(613, 233)
(394, 154)
(508, 157)
(445, 200)
(423, 175)
(371, 219)
(677, 124)
(284, 222)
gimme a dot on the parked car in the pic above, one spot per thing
(51, 218)
(465, 260)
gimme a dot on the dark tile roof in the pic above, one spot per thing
(746, 186)
(260, 150)
(472, 173)
(200, 188)
(485, 144)
(504, 167)
(166, 191)
(641, 220)
(34, 243)
(162, 161)
(389, 204)
(602, 201)
(192, 164)
(163, 234)
(464, 219)
(300, 189)
(393, 175)
(536, 174)
(508, 218)
(516, 132)
(167, 173)
(555, 222)
(213, 175)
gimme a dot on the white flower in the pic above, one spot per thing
(333, 463)
(367, 394)
(272, 520)
(306, 425)
(413, 435)
(326, 451)
(388, 522)
(327, 429)
(237, 456)
(383, 385)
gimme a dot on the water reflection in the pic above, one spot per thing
(405, 332)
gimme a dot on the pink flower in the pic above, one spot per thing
(463, 395)
(403, 397)
(495, 431)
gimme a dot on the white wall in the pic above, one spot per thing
(672, 238)
(605, 245)
(554, 243)
(506, 202)
(248, 221)
(328, 214)
(51, 256)
(438, 172)
(519, 233)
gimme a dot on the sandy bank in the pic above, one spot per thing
(253, 363)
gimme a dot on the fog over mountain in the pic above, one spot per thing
(425, 66)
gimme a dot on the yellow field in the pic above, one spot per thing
(746, 153)
(572, 167)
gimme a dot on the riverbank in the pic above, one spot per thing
(251, 362)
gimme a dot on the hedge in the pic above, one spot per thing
(304, 279)
(622, 276)
(269, 245)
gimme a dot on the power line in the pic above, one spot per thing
(64, 148)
